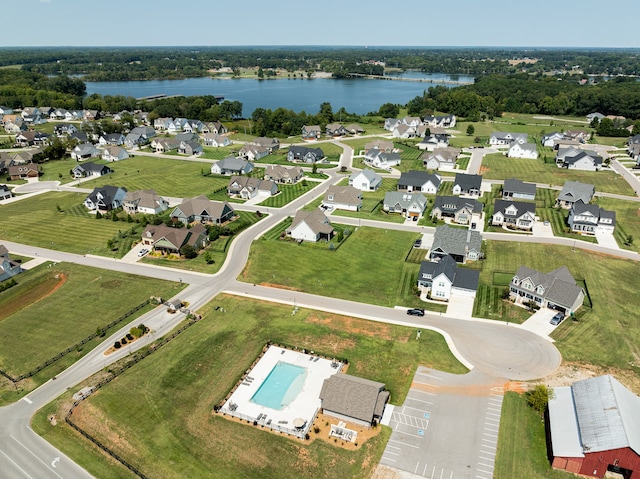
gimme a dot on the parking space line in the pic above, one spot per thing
(493, 414)
(419, 400)
(416, 470)
(482, 470)
(428, 375)
(425, 384)
(388, 459)
(408, 434)
(395, 447)
(421, 392)
(392, 453)
(485, 458)
(488, 447)
(487, 434)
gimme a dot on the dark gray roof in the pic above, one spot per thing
(579, 208)
(418, 178)
(521, 207)
(352, 396)
(456, 241)
(597, 159)
(451, 204)
(303, 150)
(468, 182)
(559, 285)
(573, 191)
(513, 185)
(460, 277)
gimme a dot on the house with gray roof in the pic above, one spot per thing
(8, 267)
(461, 244)
(89, 168)
(106, 198)
(311, 132)
(514, 189)
(169, 240)
(441, 279)
(5, 192)
(582, 160)
(365, 180)
(591, 219)
(460, 210)
(523, 150)
(420, 181)
(573, 191)
(85, 151)
(467, 185)
(202, 210)
(549, 139)
(216, 140)
(381, 159)
(345, 198)
(253, 152)
(518, 215)
(409, 205)
(441, 158)
(144, 202)
(231, 166)
(353, 399)
(555, 290)
(504, 138)
(271, 144)
(246, 188)
(304, 154)
(335, 130)
(282, 174)
(383, 145)
(114, 153)
(311, 226)
(433, 141)
(593, 427)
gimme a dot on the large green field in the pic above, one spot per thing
(499, 167)
(606, 335)
(177, 177)
(36, 221)
(37, 321)
(158, 415)
(627, 220)
(369, 267)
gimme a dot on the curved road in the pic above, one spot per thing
(497, 349)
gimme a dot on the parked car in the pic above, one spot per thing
(142, 252)
(418, 243)
(415, 312)
(557, 319)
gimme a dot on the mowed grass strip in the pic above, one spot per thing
(367, 267)
(36, 221)
(158, 414)
(178, 178)
(55, 307)
(606, 335)
(288, 193)
(627, 220)
(499, 167)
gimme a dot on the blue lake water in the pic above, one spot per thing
(281, 386)
(356, 95)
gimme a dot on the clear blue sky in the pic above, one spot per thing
(541, 23)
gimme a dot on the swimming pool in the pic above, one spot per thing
(281, 386)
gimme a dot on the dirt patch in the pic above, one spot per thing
(483, 170)
(328, 343)
(279, 286)
(356, 326)
(53, 420)
(33, 295)
(323, 424)
(568, 373)
(385, 472)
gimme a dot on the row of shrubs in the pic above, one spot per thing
(8, 284)
(133, 334)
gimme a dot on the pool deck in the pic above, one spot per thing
(305, 405)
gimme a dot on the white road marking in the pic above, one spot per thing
(27, 400)
(419, 400)
(392, 453)
(16, 464)
(487, 434)
(429, 376)
(30, 452)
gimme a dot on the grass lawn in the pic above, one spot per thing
(498, 166)
(606, 335)
(288, 193)
(37, 321)
(215, 153)
(58, 170)
(348, 272)
(158, 414)
(372, 204)
(522, 448)
(627, 220)
(168, 177)
(37, 222)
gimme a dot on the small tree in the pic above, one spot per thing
(538, 398)
(188, 251)
(314, 168)
(629, 240)
(207, 258)
(470, 130)
(477, 140)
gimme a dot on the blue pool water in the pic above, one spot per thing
(281, 386)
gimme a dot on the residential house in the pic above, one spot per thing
(216, 128)
(353, 399)
(283, 175)
(549, 139)
(5, 110)
(231, 166)
(168, 240)
(441, 159)
(162, 123)
(146, 202)
(592, 116)
(190, 148)
(5, 192)
(412, 121)
(271, 144)
(87, 169)
(409, 205)
(304, 154)
(390, 124)
(504, 138)
(634, 153)
(593, 429)
(354, 129)
(118, 117)
(134, 140)
(247, 188)
(467, 185)
(253, 152)
(164, 145)
(192, 126)
(311, 226)
(365, 180)
(518, 215)
(591, 219)
(91, 115)
(382, 160)
(444, 278)
(421, 181)
(634, 140)
(115, 139)
(8, 267)
(565, 143)
(216, 140)
(106, 198)
(440, 121)
(404, 131)
(523, 150)
(176, 125)
(382, 145)
(578, 135)
(85, 151)
(58, 114)
(335, 130)
(62, 129)
(202, 210)
(575, 159)
(311, 132)
(573, 191)
(78, 136)
(433, 141)
(555, 290)
(23, 171)
(514, 189)
(461, 244)
(31, 138)
(343, 198)
(114, 153)
(14, 125)
(461, 210)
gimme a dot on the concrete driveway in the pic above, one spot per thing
(447, 427)
(607, 240)
(460, 306)
(539, 324)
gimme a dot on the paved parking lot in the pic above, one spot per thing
(447, 427)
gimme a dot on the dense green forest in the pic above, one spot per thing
(137, 63)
